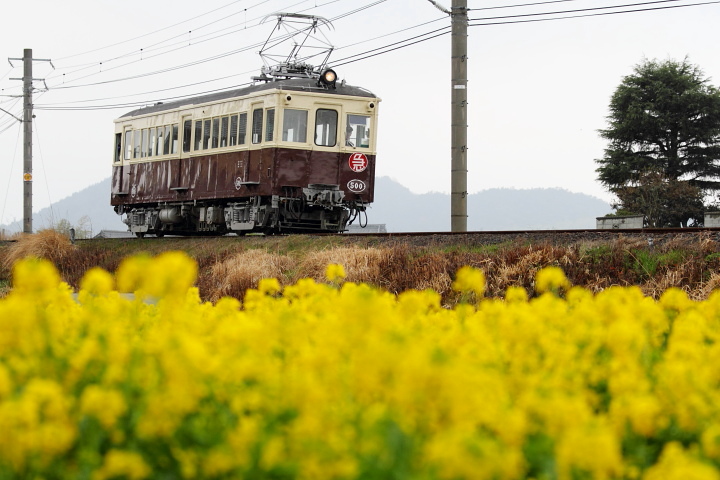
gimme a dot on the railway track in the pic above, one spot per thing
(564, 237)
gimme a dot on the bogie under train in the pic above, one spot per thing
(286, 155)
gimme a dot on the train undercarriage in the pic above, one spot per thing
(314, 209)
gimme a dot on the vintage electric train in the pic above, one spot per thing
(285, 155)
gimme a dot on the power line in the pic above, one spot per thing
(205, 60)
(184, 45)
(45, 106)
(149, 48)
(377, 51)
(195, 17)
(583, 10)
(520, 5)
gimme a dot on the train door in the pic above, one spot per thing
(180, 166)
(121, 164)
(256, 138)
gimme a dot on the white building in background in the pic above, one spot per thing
(621, 222)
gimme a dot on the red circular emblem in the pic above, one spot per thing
(358, 162)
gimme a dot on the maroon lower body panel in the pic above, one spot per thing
(235, 175)
(165, 194)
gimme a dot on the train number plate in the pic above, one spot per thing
(356, 186)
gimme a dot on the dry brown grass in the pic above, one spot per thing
(237, 273)
(361, 264)
(229, 267)
(47, 244)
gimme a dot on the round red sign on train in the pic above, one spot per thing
(358, 162)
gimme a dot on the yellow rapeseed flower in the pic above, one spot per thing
(469, 280)
(122, 464)
(335, 273)
(551, 279)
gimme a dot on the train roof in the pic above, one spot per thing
(291, 84)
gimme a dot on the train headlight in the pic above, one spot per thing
(328, 78)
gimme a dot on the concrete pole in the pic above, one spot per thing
(458, 169)
(27, 140)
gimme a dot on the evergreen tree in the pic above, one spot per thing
(663, 157)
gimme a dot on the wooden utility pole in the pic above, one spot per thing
(458, 114)
(458, 170)
(27, 80)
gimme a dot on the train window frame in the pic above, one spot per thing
(128, 143)
(197, 143)
(233, 133)
(207, 133)
(224, 131)
(118, 155)
(160, 141)
(257, 126)
(175, 138)
(187, 135)
(269, 125)
(167, 139)
(215, 133)
(137, 141)
(351, 141)
(290, 125)
(242, 128)
(144, 143)
(326, 130)
(152, 138)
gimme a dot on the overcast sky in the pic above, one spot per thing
(538, 91)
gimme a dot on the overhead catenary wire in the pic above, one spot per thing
(184, 45)
(563, 12)
(197, 62)
(194, 17)
(547, 2)
(47, 105)
(415, 40)
(149, 48)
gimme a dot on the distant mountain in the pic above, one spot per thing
(495, 209)
(93, 202)
(395, 206)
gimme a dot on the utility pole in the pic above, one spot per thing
(458, 114)
(458, 172)
(27, 80)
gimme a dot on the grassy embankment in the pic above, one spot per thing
(230, 265)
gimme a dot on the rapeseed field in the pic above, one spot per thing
(334, 379)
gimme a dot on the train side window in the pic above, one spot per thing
(175, 131)
(160, 142)
(144, 146)
(294, 125)
(357, 131)
(224, 131)
(198, 135)
(270, 125)
(326, 127)
(233, 130)
(215, 132)
(187, 132)
(243, 129)
(136, 145)
(118, 147)
(128, 144)
(166, 139)
(257, 124)
(206, 134)
(151, 142)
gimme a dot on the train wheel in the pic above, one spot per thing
(140, 234)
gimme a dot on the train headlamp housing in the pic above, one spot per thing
(328, 78)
